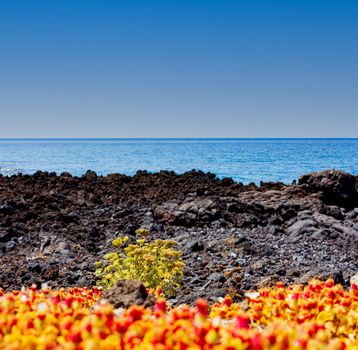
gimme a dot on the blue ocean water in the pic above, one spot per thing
(244, 160)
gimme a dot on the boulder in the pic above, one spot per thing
(189, 212)
(129, 292)
(302, 227)
(337, 187)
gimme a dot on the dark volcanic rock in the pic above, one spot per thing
(189, 212)
(337, 187)
(128, 292)
(233, 237)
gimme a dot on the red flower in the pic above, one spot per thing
(160, 305)
(280, 285)
(243, 322)
(202, 307)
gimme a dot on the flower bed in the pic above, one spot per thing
(319, 316)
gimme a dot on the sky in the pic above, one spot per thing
(177, 68)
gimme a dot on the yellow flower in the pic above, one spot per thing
(117, 242)
(142, 232)
(154, 263)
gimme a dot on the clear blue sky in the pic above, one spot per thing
(142, 68)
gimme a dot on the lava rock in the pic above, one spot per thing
(337, 187)
(54, 228)
(129, 292)
(197, 247)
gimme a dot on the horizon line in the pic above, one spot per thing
(178, 138)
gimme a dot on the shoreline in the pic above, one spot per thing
(244, 160)
(233, 236)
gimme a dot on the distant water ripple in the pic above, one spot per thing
(244, 160)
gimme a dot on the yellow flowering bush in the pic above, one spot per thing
(156, 263)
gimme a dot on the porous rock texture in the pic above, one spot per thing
(233, 237)
(129, 292)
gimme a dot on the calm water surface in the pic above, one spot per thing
(244, 160)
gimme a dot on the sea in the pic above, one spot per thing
(244, 160)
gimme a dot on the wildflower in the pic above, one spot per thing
(154, 263)
(142, 232)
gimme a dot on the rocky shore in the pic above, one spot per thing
(233, 237)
